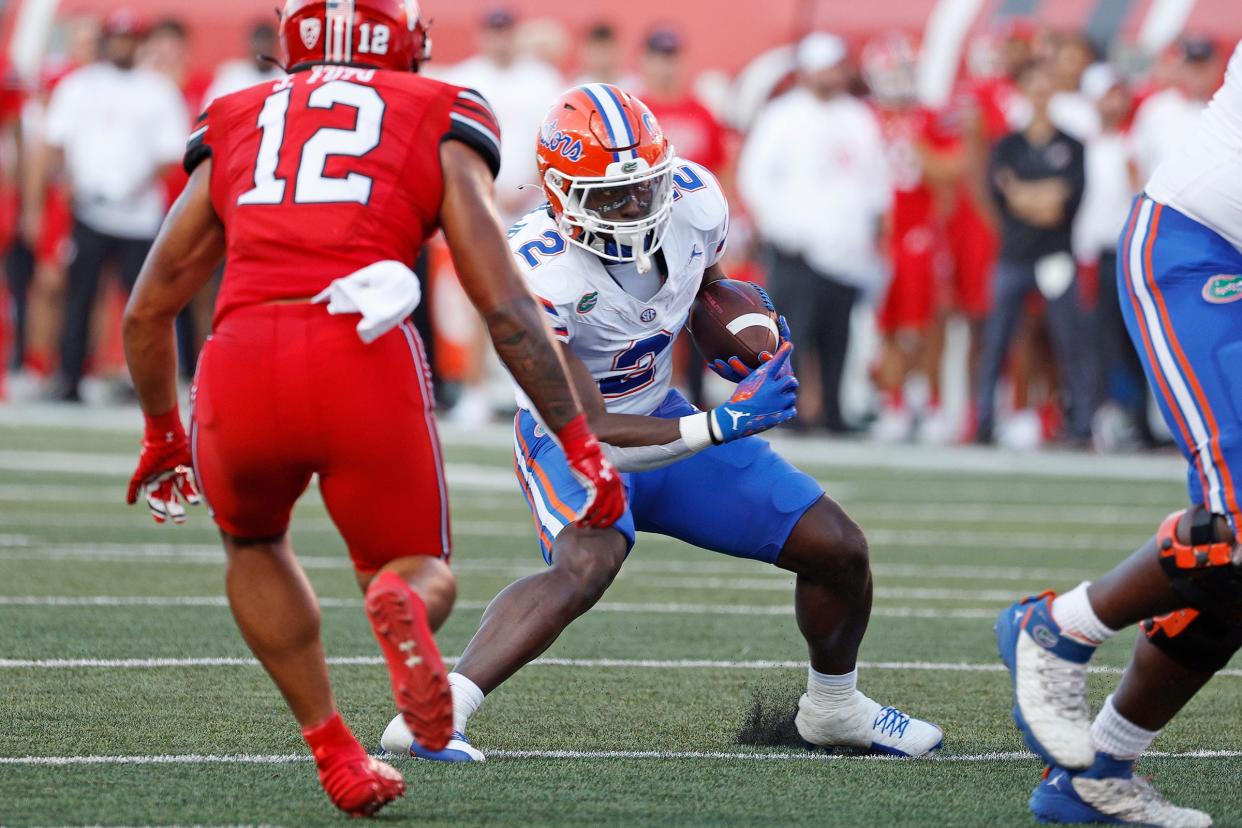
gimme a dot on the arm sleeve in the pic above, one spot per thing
(472, 122)
(198, 148)
(646, 458)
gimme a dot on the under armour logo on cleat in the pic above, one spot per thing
(413, 661)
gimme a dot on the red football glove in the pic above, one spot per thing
(164, 469)
(605, 493)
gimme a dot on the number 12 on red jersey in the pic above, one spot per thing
(312, 186)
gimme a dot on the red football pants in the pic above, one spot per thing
(284, 392)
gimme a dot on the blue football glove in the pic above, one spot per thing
(734, 370)
(763, 400)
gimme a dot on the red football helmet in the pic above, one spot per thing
(606, 168)
(384, 34)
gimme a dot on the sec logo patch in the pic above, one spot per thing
(1222, 289)
(648, 315)
(588, 302)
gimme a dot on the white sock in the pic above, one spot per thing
(1117, 736)
(829, 692)
(1073, 612)
(466, 699)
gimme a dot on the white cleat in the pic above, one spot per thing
(1108, 792)
(867, 725)
(1049, 672)
(894, 425)
(398, 740)
(1136, 802)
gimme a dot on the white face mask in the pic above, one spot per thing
(621, 216)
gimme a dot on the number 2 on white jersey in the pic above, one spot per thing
(312, 186)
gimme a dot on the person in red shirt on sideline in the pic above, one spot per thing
(321, 187)
(689, 125)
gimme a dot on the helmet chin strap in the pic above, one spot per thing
(642, 259)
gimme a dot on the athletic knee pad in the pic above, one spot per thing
(1195, 640)
(1207, 571)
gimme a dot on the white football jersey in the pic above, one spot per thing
(1203, 177)
(625, 342)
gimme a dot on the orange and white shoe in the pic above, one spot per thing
(419, 681)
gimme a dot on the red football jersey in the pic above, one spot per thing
(329, 170)
(906, 131)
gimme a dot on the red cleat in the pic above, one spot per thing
(419, 680)
(360, 785)
(356, 783)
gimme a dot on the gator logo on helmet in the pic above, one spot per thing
(557, 141)
(311, 28)
(1222, 289)
(588, 302)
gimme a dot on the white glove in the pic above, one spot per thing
(385, 293)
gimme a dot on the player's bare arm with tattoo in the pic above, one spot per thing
(516, 324)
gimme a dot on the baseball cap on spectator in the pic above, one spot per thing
(819, 51)
(1099, 80)
(499, 18)
(664, 42)
(124, 21)
(1198, 49)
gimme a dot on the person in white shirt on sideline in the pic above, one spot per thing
(1106, 201)
(236, 75)
(815, 177)
(1167, 119)
(114, 129)
(520, 89)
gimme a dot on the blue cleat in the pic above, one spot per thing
(398, 741)
(1049, 673)
(1107, 793)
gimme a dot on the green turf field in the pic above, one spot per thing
(634, 717)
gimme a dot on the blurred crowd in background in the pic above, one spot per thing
(947, 271)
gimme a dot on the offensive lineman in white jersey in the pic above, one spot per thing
(1180, 284)
(629, 237)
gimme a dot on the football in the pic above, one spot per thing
(730, 318)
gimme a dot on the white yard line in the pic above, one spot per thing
(219, 601)
(570, 755)
(589, 663)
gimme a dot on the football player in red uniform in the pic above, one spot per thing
(320, 187)
(926, 167)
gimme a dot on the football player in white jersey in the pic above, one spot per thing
(629, 236)
(1179, 275)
